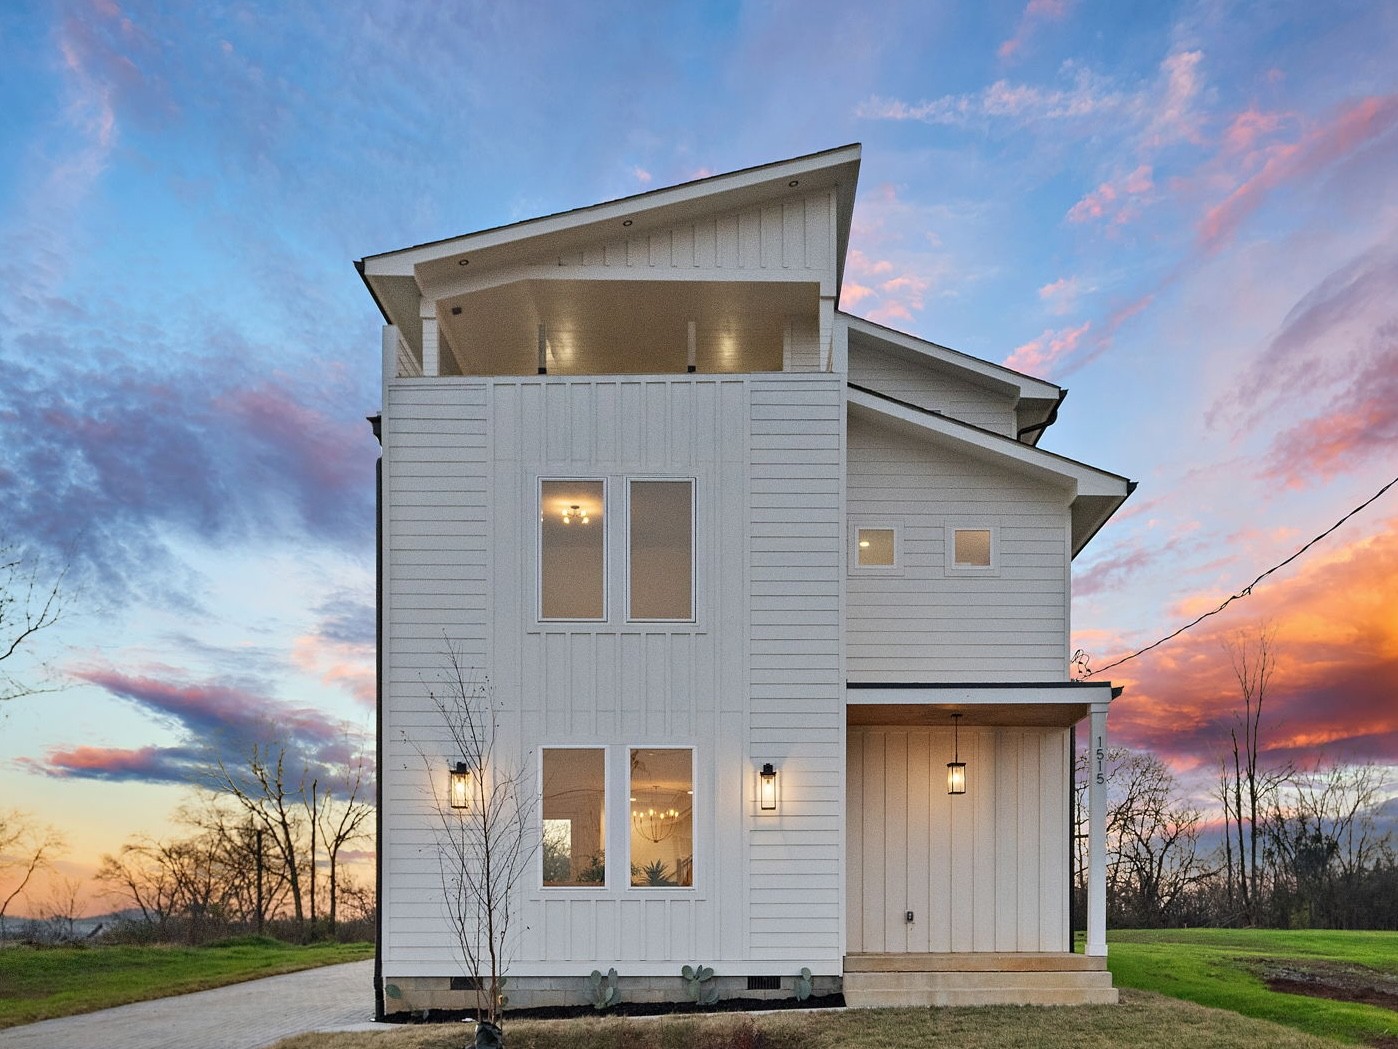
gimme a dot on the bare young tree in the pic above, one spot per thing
(1246, 788)
(26, 848)
(343, 816)
(29, 603)
(485, 847)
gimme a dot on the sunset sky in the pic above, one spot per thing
(1187, 213)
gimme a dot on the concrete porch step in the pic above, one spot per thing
(977, 961)
(975, 981)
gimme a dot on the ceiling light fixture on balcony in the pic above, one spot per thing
(575, 513)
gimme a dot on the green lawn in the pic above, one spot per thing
(1220, 967)
(38, 983)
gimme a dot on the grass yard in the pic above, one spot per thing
(39, 983)
(1144, 1020)
(1227, 968)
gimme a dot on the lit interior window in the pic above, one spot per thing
(875, 548)
(972, 548)
(574, 840)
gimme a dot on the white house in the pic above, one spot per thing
(694, 522)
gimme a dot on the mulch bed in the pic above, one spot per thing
(1339, 983)
(570, 1012)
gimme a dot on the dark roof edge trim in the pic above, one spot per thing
(977, 684)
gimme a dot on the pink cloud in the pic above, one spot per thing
(1061, 296)
(1249, 127)
(1350, 129)
(1038, 355)
(338, 663)
(1174, 117)
(1112, 199)
(1035, 13)
(641, 175)
(1337, 657)
(1360, 425)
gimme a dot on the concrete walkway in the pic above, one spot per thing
(248, 1015)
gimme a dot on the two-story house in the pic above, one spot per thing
(775, 601)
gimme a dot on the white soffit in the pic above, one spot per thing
(569, 230)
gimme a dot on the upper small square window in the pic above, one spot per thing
(875, 547)
(971, 548)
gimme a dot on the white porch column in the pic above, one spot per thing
(1097, 834)
(430, 354)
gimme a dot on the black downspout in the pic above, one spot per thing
(376, 421)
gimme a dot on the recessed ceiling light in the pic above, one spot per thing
(794, 183)
(463, 262)
(626, 222)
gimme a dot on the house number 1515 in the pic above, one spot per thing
(1101, 756)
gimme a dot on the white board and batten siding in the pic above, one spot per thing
(751, 680)
(794, 237)
(984, 871)
(926, 621)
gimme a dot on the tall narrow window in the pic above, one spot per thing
(661, 537)
(572, 550)
(662, 817)
(574, 816)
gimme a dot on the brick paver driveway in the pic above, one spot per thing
(242, 1016)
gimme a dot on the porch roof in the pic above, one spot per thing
(1035, 704)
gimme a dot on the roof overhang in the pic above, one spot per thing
(1053, 704)
(438, 263)
(1093, 494)
(1036, 400)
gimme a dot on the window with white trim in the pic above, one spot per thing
(572, 549)
(875, 548)
(574, 847)
(661, 793)
(660, 550)
(972, 550)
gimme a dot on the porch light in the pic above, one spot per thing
(459, 786)
(956, 768)
(767, 790)
(575, 513)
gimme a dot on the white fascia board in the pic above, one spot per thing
(997, 376)
(733, 191)
(1084, 480)
(1066, 693)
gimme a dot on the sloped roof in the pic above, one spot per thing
(568, 230)
(1097, 494)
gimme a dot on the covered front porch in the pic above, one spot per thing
(959, 893)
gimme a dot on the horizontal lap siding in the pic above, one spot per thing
(932, 387)
(796, 716)
(436, 492)
(920, 622)
(983, 871)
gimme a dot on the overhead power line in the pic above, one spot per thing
(1244, 592)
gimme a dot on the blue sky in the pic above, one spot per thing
(1185, 213)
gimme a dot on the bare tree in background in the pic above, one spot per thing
(1245, 788)
(343, 815)
(29, 603)
(485, 848)
(1152, 838)
(26, 848)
